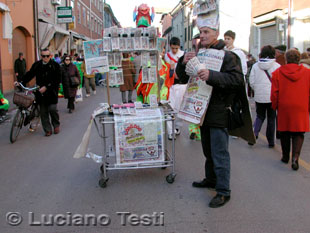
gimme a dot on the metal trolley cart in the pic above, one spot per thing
(109, 161)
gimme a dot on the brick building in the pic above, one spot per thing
(90, 19)
(270, 24)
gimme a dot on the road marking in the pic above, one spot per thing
(302, 163)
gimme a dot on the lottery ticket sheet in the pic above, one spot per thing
(140, 138)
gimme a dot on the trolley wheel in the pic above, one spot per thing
(17, 124)
(170, 178)
(103, 182)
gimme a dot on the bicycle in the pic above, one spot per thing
(28, 111)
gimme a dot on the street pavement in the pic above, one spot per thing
(43, 182)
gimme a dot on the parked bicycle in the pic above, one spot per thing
(28, 111)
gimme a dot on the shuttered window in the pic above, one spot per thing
(268, 36)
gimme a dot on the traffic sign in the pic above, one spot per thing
(64, 14)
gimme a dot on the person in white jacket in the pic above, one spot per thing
(229, 39)
(177, 90)
(260, 81)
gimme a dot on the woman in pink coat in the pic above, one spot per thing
(290, 95)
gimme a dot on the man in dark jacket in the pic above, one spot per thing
(47, 73)
(214, 133)
(20, 67)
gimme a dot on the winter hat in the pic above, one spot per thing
(207, 12)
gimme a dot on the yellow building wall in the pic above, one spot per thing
(22, 16)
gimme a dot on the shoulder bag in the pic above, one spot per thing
(74, 81)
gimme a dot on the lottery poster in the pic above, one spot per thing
(139, 138)
(198, 94)
(95, 59)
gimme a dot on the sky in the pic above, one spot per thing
(123, 9)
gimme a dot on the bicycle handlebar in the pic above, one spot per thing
(28, 88)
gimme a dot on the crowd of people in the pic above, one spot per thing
(279, 82)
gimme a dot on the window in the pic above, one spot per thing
(88, 22)
(72, 5)
(95, 26)
(84, 16)
(185, 33)
(92, 23)
(79, 12)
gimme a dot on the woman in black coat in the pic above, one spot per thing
(68, 72)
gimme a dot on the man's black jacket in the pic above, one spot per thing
(47, 75)
(226, 83)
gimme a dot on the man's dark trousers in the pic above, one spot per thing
(217, 166)
(49, 113)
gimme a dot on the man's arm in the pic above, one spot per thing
(274, 95)
(15, 68)
(180, 71)
(30, 74)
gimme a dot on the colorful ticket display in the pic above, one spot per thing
(149, 74)
(139, 138)
(198, 93)
(116, 77)
(95, 59)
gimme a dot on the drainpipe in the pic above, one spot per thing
(67, 28)
(36, 33)
(289, 24)
(91, 25)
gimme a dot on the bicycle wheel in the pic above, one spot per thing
(17, 124)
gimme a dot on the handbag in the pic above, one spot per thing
(235, 117)
(74, 81)
(23, 99)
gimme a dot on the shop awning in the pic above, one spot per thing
(7, 23)
(48, 31)
(4, 7)
(78, 36)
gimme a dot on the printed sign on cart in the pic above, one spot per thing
(198, 93)
(95, 60)
(139, 138)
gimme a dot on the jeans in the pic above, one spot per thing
(49, 114)
(261, 109)
(217, 166)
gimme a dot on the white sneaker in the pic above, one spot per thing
(95, 92)
(170, 137)
(87, 95)
(177, 131)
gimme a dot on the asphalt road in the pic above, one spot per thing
(39, 178)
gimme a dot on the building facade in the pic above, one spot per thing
(166, 22)
(51, 33)
(17, 34)
(90, 19)
(230, 19)
(271, 24)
